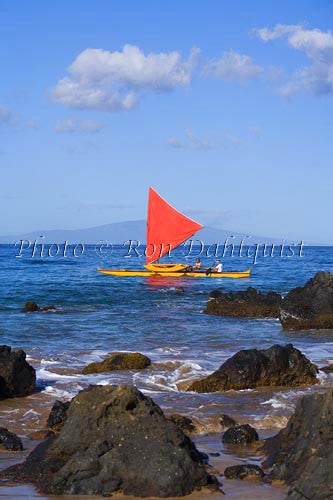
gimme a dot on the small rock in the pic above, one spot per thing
(227, 422)
(9, 441)
(180, 290)
(214, 454)
(58, 415)
(214, 294)
(246, 471)
(241, 434)
(41, 434)
(30, 307)
(184, 423)
(119, 361)
(17, 377)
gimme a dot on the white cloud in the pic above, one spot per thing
(113, 81)
(233, 66)
(317, 45)
(69, 125)
(192, 142)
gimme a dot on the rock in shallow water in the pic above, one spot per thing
(311, 306)
(276, 366)
(302, 454)
(32, 306)
(17, 377)
(241, 434)
(115, 439)
(119, 361)
(244, 304)
(9, 441)
(244, 471)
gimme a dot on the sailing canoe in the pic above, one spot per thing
(177, 274)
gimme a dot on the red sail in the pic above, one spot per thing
(166, 227)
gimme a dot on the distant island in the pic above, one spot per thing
(119, 232)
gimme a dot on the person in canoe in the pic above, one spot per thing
(218, 267)
(197, 264)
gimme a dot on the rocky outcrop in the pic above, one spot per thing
(241, 434)
(327, 369)
(119, 361)
(32, 306)
(41, 434)
(244, 471)
(58, 415)
(9, 441)
(276, 366)
(244, 304)
(227, 422)
(17, 377)
(311, 306)
(301, 454)
(184, 423)
(115, 439)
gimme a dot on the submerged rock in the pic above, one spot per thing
(227, 422)
(244, 471)
(119, 361)
(9, 441)
(32, 306)
(301, 454)
(184, 423)
(115, 439)
(276, 366)
(244, 304)
(311, 306)
(58, 415)
(241, 434)
(17, 377)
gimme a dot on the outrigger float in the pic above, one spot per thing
(166, 230)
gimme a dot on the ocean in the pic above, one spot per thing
(96, 314)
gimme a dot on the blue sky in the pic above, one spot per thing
(224, 107)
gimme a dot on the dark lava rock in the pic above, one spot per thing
(302, 453)
(215, 454)
(184, 423)
(227, 421)
(32, 306)
(311, 306)
(9, 441)
(119, 361)
(17, 377)
(180, 290)
(214, 294)
(41, 434)
(58, 415)
(115, 439)
(327, 369)
(246, 471)
(244, 304)
(241, 434)
(276, 366)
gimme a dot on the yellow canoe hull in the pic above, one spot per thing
(181, 274)
(164, 268)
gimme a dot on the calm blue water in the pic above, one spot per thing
(97, 314)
